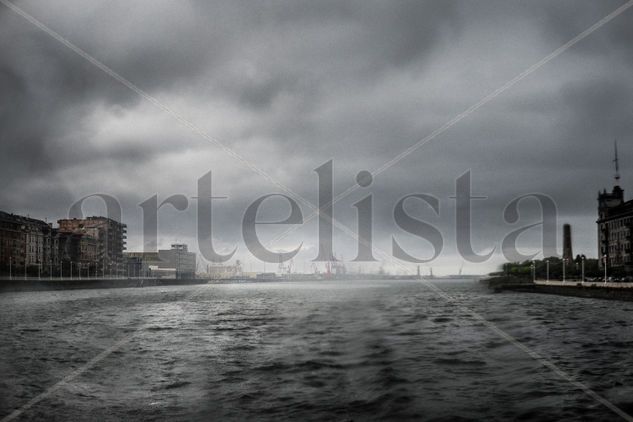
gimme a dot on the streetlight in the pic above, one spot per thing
(583, 268)
(564, 261)
(71, 270)
(605, 268)
(533, 271)
(547, 271)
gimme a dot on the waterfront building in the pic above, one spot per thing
(219, 271)
(140, 264)
(133, 265)
(110, 236)
(615, 226)
(33, 247)
(176, 262)
(77, 252)
(180, 258)
(25, 244)
(89, 249)
(12, 242)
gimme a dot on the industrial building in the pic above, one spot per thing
(176, 262)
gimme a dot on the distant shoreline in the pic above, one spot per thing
(38, 285)
(44, 284)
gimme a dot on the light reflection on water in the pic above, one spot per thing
(343, 350)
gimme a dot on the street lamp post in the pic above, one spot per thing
(605, 268)
(583, 269)
(564, 261)
(71, 270)
(533, 271)
(547, 271)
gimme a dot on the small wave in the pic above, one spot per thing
(177, 384)
(158, 328)
(331, 353)
(442, 319)
(616, 344)
(308, 365)
(231, 328)
(240, 348)
(455, 361)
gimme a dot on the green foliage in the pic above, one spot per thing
(573, 269)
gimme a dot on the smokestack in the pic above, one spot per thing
(568, 254)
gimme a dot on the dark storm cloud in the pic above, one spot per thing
(290, 85)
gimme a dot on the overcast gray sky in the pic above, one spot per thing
(290, 85)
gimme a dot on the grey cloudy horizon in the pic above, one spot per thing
(290, 85)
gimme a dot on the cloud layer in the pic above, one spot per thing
(290, 85)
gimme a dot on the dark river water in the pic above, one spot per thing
(345, 350)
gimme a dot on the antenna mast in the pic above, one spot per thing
(617, 163)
